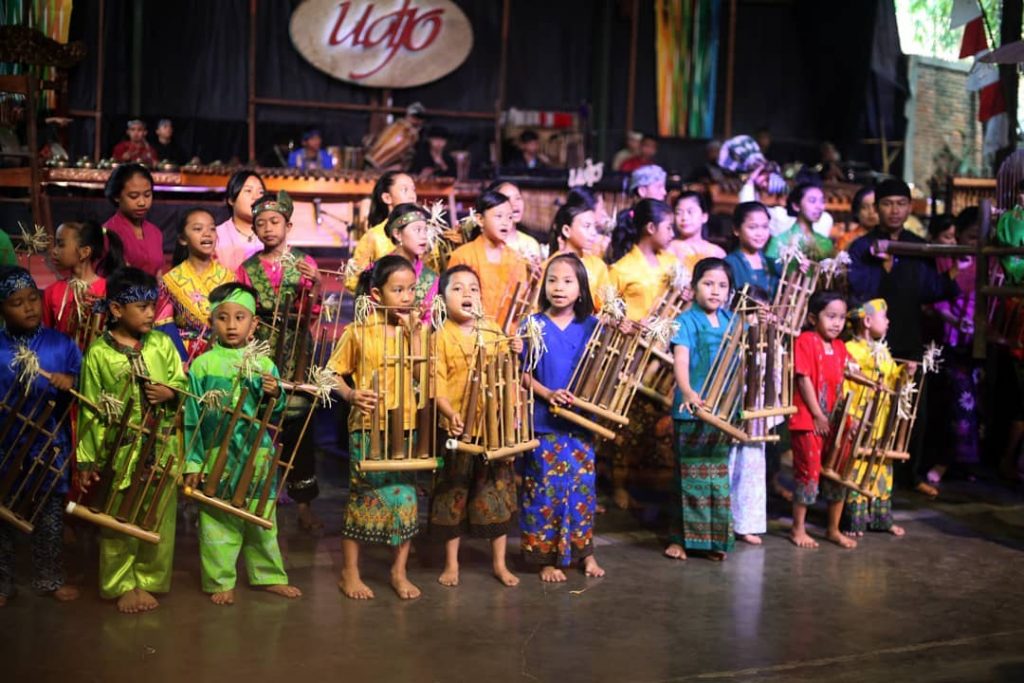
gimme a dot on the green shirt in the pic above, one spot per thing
(816, 247)
(7, 255)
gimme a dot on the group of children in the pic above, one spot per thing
(181, 337)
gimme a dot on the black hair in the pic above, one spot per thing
(706, 265)
(691, 194)
(181, 250)
(758, 294)
(528, 136)
(969, 217)
(796, 195)
(564, 216)
(446, 276)
(120, 176)
(939, 224)
(124, 279)
(107, 247)
(583, 307)
(377, 276)
(631, 224)
(221, 292)
(437, 132)
(821, 299)
(399, 210)
(496, 184)
(378, 209)
(237, 181)
(744, 209)
(582, 195)
(858, 199)
(485, 202)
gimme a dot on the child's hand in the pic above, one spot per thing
(687, 294)
(363, 399)
(270, 386)
(455, 425)
(192, 480)
(561, 397)
(821, 425)
(625, 326)
(516, 344)
(62, 381)
(85, 479)
(967, 326)
(692, 401)
(158, 393)
(308, 271)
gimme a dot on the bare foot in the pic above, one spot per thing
(353, 587)
(146, 600)
(675, 551)
(927, 489)
(284, 590)
(841, 540)
(449, 577)
(66, 594)
(752, 539)
(854, 534)
(591, 568)
(621, 499)
(551, 574)
(716, 556)
(135, 601)
(223, 597)
(801, 540)
(896, 530)
(506, 577)
(404, 587)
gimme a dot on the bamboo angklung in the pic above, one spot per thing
(525, 294)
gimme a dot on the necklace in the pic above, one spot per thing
(248, 236)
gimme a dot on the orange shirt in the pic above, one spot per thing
(497, 280)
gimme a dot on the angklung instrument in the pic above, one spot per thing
(657, 377)
(800, 278)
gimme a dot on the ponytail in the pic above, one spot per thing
(376, 276)
(630, 226)
(107, 248)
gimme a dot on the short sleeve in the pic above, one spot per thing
(343, 361)
(803, 356)
(686, 335)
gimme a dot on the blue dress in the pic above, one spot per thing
(766, 277)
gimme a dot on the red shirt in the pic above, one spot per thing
(823, 363)
(126, 150)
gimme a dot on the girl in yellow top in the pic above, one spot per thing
(870, 323)
(470, 496)
(574, 231)
(381, 506)
(642, 272)
(390, 190)
(499, 267)
(691, 216)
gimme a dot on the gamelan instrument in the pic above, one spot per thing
(497, 413)
(403, 422)
(393, 146)
(34, 430)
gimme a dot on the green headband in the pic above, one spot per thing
(283, 205)
(399, 222)
(240, 297)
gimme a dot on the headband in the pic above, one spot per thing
(400, 221)
(240, 297)
(282, 205)
(869, 308)
(135, 294)
(15, 279)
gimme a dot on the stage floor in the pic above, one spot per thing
(942, 604)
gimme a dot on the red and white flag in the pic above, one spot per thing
(983, 78)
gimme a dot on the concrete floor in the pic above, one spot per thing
(942, 604)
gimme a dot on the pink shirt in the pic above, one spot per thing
(275, 273)
(146, 254)
(233, 247)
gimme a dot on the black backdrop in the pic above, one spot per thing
(803, 68)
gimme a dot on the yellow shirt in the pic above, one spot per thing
(456, 350)
(883, 369)
(638, 283)
(497, 280)
(361, 351)
(692, 253)
(370, 248)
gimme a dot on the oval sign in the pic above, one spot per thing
(382, 43)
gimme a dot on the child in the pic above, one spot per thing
(222, 536)
(500, 268)
(807, 203)
(470, 496)
(21, 308)
(390, 190)
(130, 189)
(130, 570)
(703, 519)
(276, 272)
(559, 484)
(691, 215)
(236, 238)
(575, 232)
(522, 243)
(89, 253)
(749, 265)
(183, 309)
(819, 363)
(641, 275)
(870, 323)
(407, 228)
(382, 506)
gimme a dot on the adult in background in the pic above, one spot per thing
(310, 156)
(135, 148)
(166, 148)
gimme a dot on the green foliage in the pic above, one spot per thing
(924, 26)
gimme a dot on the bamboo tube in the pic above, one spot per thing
(108, 522)
(15, 465)
(139, 473)
(469, 418)
(16, 521)
(600, 412)
(508, 403)
(598, 360)
(249, 469)
(102, 494)
(493, 439)
(376, 428)
(581, 421)
(216, 472)
(767, 412)
(653, 395)
(403, 465)
(716, 422)
(510, 451)
(217, 503)
(396, 415)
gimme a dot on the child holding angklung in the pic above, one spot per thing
(819, 364)
(223, 536)
(703, 517)
(60, 362)
(279, 273)
(869, 352)
(471, 497)
(131, 358)
(559, 494)
(382, 506)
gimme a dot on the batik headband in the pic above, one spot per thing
(13, 280)
(869, 308)
(240, 297)
(135, 294)
(402, 220)
(282, 204)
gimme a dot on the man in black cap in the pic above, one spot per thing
(906, 283)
